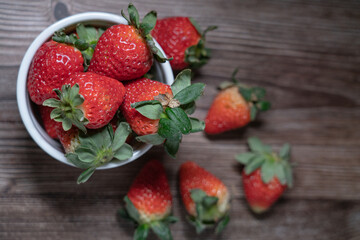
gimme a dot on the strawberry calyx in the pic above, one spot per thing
(173, 113)
(99, 147)
(144, 28)
(84, 40)
(253, 95)
(208, 213)
(271, 164)
(159, 226)
(198, 55)
(67, 107)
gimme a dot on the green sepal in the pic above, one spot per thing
(66, 107)
(271, 164)
(131, 209)
(162, 230)
(99, 147)
(180, 118)
(182, 81)
(222, 224)
(198, 55)
(154, 139)
(196, 125)
(145, 27)
(151, 109)
(172, 145)
(190, 93)
(141, 232)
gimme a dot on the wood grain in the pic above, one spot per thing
(306, 54)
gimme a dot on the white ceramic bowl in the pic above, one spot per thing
(26, 107)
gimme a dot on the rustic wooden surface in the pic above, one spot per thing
(306, 53)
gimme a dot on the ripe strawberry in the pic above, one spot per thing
(149, 202)
(266, 174)
(205, 197)
(124, 52)
(92, 101)
(96, 148)
(182, 39)
(52, 64)
(234, 106)
(49, 124)
(158, 112)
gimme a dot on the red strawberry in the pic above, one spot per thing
(158, 112)
(234, 107)
(266, 174)
(68, 139)
(142, 90)
(124, 52)
(49, 124)
(182, 39)
(149, 202)
(205, 197)
(92, 101)
(52, 64)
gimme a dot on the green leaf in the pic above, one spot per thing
(225, 85)
(52, 102)
(148, 22)
(267, 171)
(189, 108)
(254, 164)
(197, 195)
(141, 232)
(124, 152)
(84, 176)
(246, 93)
(170, 219)
(197, 125)
(161, 230)
(150, 109)
(180, 118)
(159, 56)
(182, 80)
(172, 145)
(288, 174)
(210, 201)
(222, 224)
(154, 139)
(257, 146)
(245, 158)
(285, 152)
(280, 173)
(253, 112)
(73, 158)
(167, 128)
(121, 134)
(263, 105)
(131, 210)
(196, 25)
(86, 154)
(56, 113)
(134, 15)
(66, 124)
(190, 93)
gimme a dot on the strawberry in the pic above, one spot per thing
(158, 112)
(52, 64)
(57, 59)
(266, 174)
(92, 101)
(235, 106)
(205, 197)
(49, 124)
(124, 52)
(149, 202)
(182, 39)
(96, 148)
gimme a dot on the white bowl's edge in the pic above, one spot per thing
(35, 130)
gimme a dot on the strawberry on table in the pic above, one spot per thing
(96, 148)
(86, 99)
(205, 197)
(158, 113)
(49, 124)
(125, 52)
(266, 174)
(182, 39)
(149, 202)
(235, 106)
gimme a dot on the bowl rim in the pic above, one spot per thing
(32, 125)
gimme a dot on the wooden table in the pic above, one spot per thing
(307, 55)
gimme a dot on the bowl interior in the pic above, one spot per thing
(29, 111)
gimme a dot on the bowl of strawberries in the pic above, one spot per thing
(72, 84)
